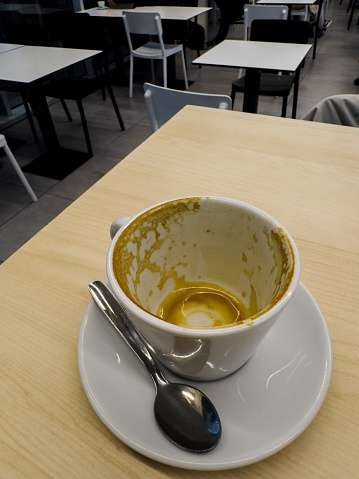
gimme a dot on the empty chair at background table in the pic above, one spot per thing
(272, 84)
(299, 8)
(82, 32)
(262, 12)
(162, 103)
(150, 24)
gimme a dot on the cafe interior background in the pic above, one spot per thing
(333, 71)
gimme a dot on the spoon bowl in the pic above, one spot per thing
(187, 417)
(184, 414)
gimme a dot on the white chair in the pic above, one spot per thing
(262, 12)
(275, 83)
(162, 103)
(3, 144)
(150, 24)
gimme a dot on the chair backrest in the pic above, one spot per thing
(279, 31)
(142, 23)
(78, 5)
(162, 103)
(262, 12)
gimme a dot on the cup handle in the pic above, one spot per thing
(117, 224)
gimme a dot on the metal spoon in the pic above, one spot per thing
(185, 415)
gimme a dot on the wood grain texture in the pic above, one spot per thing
(304, 174)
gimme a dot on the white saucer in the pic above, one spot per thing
(263, 407)
(102, 8)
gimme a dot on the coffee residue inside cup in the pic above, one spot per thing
(202, 305)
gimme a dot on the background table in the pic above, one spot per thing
(170, 16)
(27, 66)
(167, 13)
(255, 56)
(304, 174)
(6, 47)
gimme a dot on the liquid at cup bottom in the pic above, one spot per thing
(204, 305)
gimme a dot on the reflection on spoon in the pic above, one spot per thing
(185, 415)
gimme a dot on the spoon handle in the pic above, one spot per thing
(120, 320)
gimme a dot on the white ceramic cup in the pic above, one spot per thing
(207, 240)
(101, 4)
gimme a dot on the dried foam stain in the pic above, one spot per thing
(140, 240)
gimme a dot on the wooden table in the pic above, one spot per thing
(28, 66)
(304, 174)
(256, 56)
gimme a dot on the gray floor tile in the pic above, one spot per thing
(13, 199)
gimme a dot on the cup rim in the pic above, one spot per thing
(149, 318)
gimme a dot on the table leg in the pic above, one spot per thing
(295, 93)
(56, 162)
(251, 89)
(316, 24)
(41, 110)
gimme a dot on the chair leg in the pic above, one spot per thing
(199, 54)
(351, 14)
(99, 74)
(294, 107)
(66, 110)
(19, 172)
(165, 72)
(184, 70)
(233, 96)
(84, 126)
(284, 106)
(153, 76)
(115, 106)
(30, 118)
(295, 93)
(131, 76)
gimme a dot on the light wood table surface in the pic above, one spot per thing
(304, 174)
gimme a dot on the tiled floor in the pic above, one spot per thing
(332, 72)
